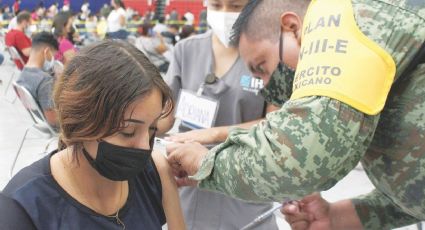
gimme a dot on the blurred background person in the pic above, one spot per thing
(35, 75)
(91, 28)
(117, 21)
(188, 17)
(17, 7)
(66, 5)
(17, 37)
(203, 24)
(171, 36)
(6, 13)
(85, 10)
(102, 27)
(62, 26)
(53, 10)
(174, 16)
(105, 10)
(160, 26)
(153, 46)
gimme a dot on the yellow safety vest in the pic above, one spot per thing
(338, 61)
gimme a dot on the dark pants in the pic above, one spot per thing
(120, 34)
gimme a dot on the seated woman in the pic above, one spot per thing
(104, 176)
(62, 26)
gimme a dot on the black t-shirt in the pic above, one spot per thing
(13, 216)
(51, 208)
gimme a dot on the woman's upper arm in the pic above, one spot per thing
(170, 196)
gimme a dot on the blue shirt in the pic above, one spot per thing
(51, 207)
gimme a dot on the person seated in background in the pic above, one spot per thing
(153, 46)
(62, 26)
(104, 174)
(117, 21)
(34, 76)
(17, 38)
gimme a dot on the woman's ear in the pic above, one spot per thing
(291, 22)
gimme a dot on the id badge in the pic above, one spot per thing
(196, 112)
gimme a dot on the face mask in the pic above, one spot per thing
(119, 163)
(48, 65)
(221, 24)
(279, 89)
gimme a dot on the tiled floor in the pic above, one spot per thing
(14, 120)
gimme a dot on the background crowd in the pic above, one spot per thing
(153, 32)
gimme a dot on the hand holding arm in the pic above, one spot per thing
(185, 160)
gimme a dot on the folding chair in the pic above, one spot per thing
(16, 57)
(37, 115)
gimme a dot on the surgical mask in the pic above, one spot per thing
(119, 163)
(221, 24)
(279, 89)
(48, 65)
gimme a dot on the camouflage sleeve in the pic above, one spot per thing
(306, 146)
(376, 211)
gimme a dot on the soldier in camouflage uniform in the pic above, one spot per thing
(313, 142)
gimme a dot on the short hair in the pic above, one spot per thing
(96, 88)
(23, 16)
(44, 39)
(260, 19)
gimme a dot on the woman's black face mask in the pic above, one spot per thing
(119, 163)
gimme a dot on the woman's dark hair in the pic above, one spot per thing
(59, 23)
(120, 3)
(98, 86)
